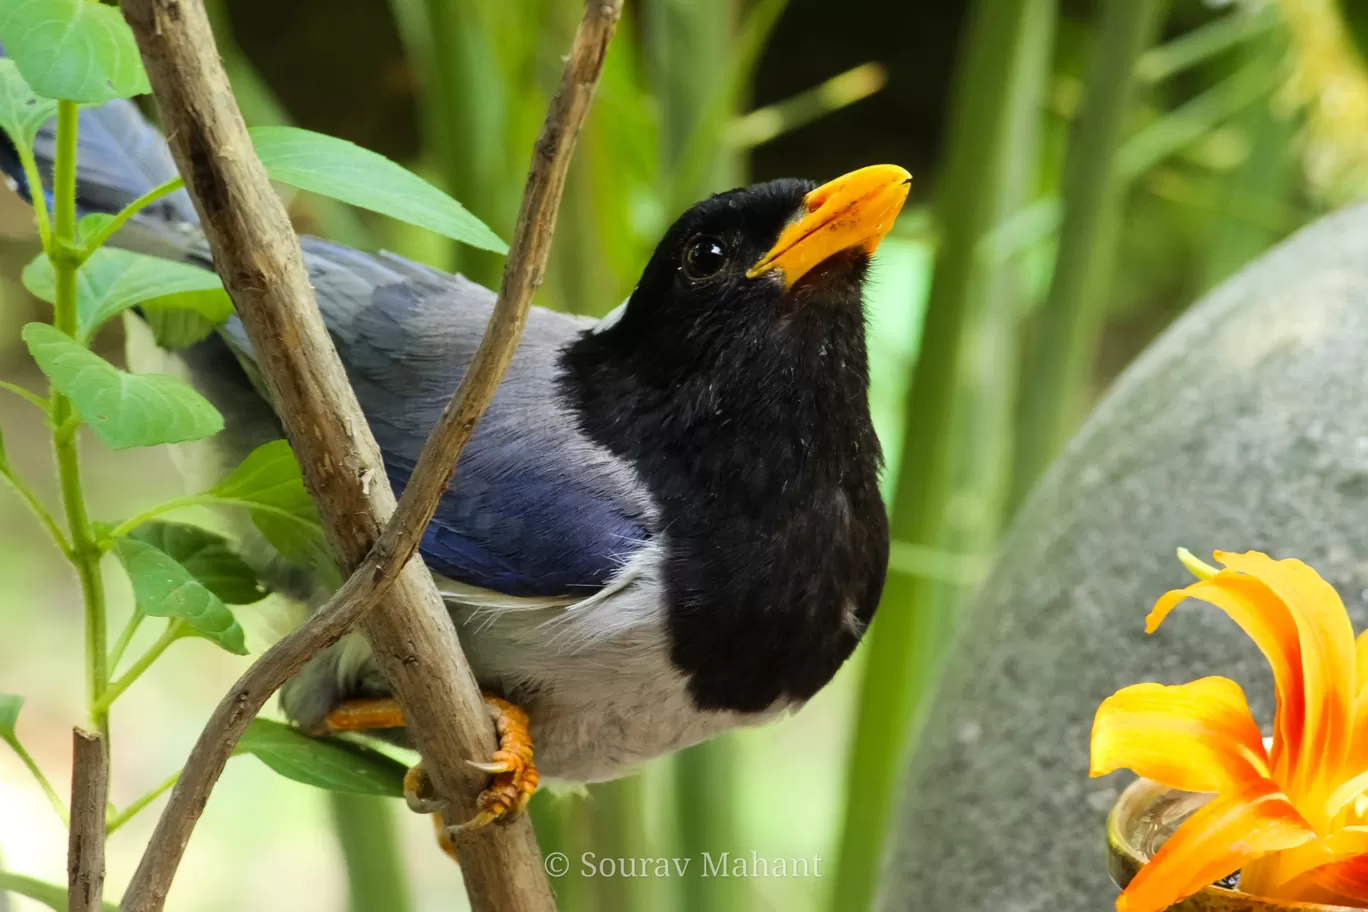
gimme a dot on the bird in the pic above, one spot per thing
(668, 522)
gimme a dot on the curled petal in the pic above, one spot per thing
(1326, 644)
(1198, 737)
(1272, 629)
(1222, 837)
(1298, 621)
(1331, 869)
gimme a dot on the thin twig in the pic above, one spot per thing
(86, 839)
(258, 257)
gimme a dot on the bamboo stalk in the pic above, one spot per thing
(1265, 174)
(618, 831)
(953, 412)
(1064, 342)
(366, 835)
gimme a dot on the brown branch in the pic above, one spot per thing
(86, 838)
(258, 257)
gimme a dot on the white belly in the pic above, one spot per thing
(595, 676)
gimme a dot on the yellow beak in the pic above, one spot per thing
(855, 210)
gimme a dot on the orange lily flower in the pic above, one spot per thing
(1292, 819)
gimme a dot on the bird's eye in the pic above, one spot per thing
(704, 257)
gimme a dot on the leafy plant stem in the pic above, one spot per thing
(50, 895)
(35, 506)
(40, 209)
(174, 631)
(132, 810)
(53, 798)
(195, 500)
(126, 637)
(27, 395)
(132, 209)
(84, 553)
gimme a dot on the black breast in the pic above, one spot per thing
(764, 465)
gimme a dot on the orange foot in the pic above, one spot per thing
(515, 775)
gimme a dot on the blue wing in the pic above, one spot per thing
(535, 508)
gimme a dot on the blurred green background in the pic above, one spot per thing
(1082, 172)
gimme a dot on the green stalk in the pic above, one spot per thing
(1201, 44)
(956, 433)
(175, 630)
(1265, 174)
(375, 873)
(97, 240)
(560, 823)
(117, 820)
(464, 106)
(50, 895)
(840, 91)
(85, 553)
(53, 798)
(618, 831)
(30, 499)
(706, 796)
(121, 644)
(1060, 356)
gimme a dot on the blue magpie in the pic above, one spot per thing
(668, 522)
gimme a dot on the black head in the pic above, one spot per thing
(780, 257)
(736, 383)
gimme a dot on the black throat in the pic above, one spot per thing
(765, 466)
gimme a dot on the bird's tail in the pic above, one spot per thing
(120, 156)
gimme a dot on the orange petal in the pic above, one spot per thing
(1358, 746)
(1198, 737)
(1326, 641)
(1323, 870)
(1361, 663)
(1267, 622)
(1220, 838)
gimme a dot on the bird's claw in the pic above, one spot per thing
(419, 793)
(515, 778)
(491, 768)
(515, 775)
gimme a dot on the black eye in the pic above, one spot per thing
(704, 257)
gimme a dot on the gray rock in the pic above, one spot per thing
(1245, 426)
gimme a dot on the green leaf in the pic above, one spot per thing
(338, 766)
(9, 716)
(111, 281)
(163, 587)
(22, 112)
(91, 224)
(50, 895)
(345, 171)
(175, 328)
(73, 49)
(125, 410)
(207, 556)
(269, 484)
